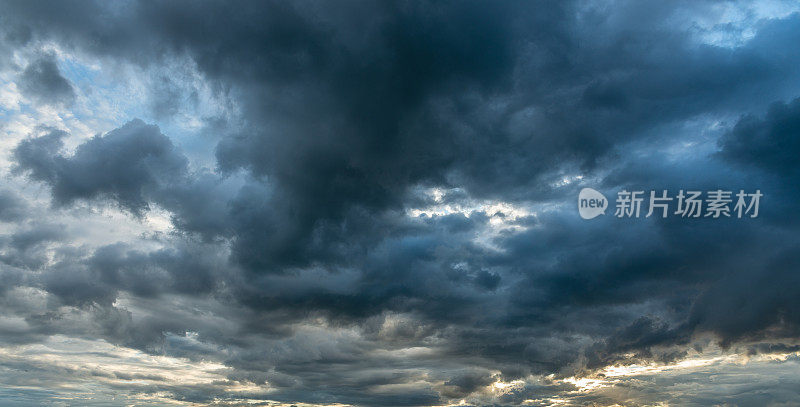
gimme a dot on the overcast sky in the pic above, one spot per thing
(375, 203)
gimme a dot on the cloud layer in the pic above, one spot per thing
(375, 204)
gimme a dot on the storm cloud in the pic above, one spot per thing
(374, 203)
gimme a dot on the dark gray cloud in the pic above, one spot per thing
(12, 206)
(127, 164)
(26, 247)
(345, 117)
(42, 81)
(770, 143)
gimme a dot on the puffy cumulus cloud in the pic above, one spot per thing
(128, 164)
(390, 218)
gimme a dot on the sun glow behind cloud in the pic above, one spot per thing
(86, 370)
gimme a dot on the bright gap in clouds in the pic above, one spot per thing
(94, 372)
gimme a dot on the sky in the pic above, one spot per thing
(366, 203)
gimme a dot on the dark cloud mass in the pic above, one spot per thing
(128, 164)
(42, 81)
(386, 215)
(770, 143)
